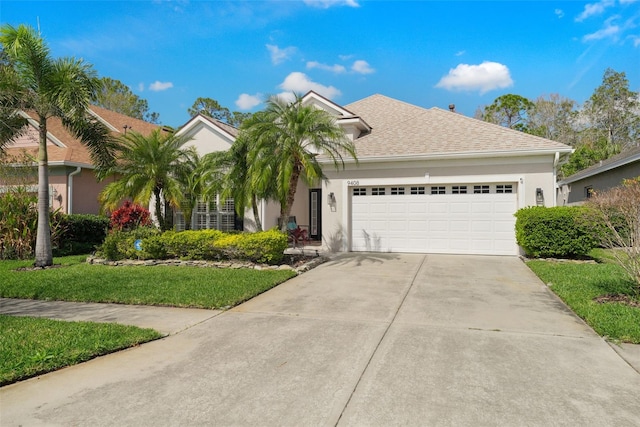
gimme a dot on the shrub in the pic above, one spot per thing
(130, 216)
(81, 233)
(121, 244)
(263, 247)
(191, 244)
(618, 210)
(561, 232)
(19, 223)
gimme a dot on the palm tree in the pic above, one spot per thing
(199, 177)
(287, 139)
(238, 182)
(147, 166)
(31, 80)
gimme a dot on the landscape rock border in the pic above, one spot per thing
(232, 264)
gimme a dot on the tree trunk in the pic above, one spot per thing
(159, 217)
(256, 214)
(44, 254)
(285, 211)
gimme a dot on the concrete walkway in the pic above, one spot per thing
(368, 339)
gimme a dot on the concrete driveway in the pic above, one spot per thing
(364, 340)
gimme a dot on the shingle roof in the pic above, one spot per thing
(224, 126)
(624, 158)
(74, 152)
(402, 129)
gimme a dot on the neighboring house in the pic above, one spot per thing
(604, 175)
(73, 186)
(426, 181)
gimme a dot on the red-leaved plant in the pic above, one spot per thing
(130, 216)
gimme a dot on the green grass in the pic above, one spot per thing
(579, 284)
(177, 286)
(32, 346)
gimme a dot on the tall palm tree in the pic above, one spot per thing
(287, 139)
(199, 177)
(147, 166)
(31, 80)
(238, 182)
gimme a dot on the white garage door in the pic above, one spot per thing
(456, 219)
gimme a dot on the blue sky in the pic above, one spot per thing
(428, 53)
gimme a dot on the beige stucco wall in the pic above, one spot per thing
(207, 139)
(526, 173)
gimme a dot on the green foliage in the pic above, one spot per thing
(121, 244)
(560, 232)
(212, 108)
(266, 247)
(580, 285)
(116, 96)
(81, 233)
(19, 221)
(262, 247)
(509, 111)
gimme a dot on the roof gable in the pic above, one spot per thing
(63, 147)
(208, 134)
(402, 129)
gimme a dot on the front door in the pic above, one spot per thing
(315, 213)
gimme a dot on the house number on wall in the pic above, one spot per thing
(356, 182)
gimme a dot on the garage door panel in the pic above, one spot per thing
(438, 223)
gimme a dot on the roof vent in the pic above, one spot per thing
(452, 108)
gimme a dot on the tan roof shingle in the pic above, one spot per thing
(402, 129)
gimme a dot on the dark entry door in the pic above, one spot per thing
(315, 213)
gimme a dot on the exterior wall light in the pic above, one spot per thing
(539, 197)
(331, 199)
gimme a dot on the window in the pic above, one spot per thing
(359, 191)
(438, 190)
(506, 188)
(459, 189)
(377, 191)
(396, 191)
(480, 189)
(588, 192)
(209, 215)
(417, 190)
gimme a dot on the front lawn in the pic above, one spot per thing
(177, 286)
(579, 285)
(32, 346)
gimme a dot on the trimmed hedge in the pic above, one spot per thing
(558, 232)
(81, 234)
(263, 247)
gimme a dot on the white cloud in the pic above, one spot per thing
(280, 55)
(609, 30)
(483, 78)
(336, 68)
(362, 67)
(247, 102)
(636, 40)
(300, 83)
(559, 13)
(159, 86)
(593, 9)
(460, 53)
(325, 4)
(140, 87)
